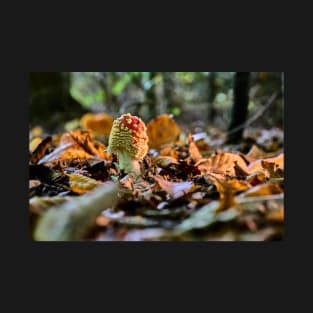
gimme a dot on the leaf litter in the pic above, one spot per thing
(191, 189)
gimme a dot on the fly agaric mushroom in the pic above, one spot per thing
(128, 139)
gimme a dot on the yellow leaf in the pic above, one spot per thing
(222, 163)
(99, 124)
(82, 184)
(276, 216)
(34, 144)
(162, 130)
(262, 190)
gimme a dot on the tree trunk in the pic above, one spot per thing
(240, 106)
(50, 102)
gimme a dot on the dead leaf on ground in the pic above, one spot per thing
(175, 190)
(263, 165)
(262, 190)
(222, 163)
(225, 190)
(99, 124)
(162, 130)
(255, 153)
(38, 148)
(238, 185)
(193, 150)
(81, 184)
(276, 216)
(75, 145)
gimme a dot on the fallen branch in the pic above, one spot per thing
(73, 219)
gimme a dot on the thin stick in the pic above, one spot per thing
(256, 115)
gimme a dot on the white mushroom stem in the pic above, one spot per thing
(128, 164)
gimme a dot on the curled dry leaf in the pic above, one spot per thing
(99, 124)
(222, 163)
(84, 140)
(162, 130)
(38, 148)
(255, 153)
(82, 184)
(256, 178)
(76, 145)
(264, 189)
(260, 166)
(225, 190)
(238, 185)
(193, 150)
(63, 152)
(175, 190)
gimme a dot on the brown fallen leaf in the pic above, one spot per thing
(64, 152)
(162, 130)
(75, 145)
(225, 190)
(256, 178)
(264, 189)
(222, 163)
(238, 185)
(175, 190)
(87, 143)
(257, 165)
(38, 148)
(99, 124)
(276, 216)
(255, 153)
(274, 169)
(193, 150)
(82, 184)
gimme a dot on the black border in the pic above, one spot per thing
(249, 270)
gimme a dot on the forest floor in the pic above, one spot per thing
(193, 187)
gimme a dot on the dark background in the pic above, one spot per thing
(246, 276)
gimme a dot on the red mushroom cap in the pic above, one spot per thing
(128, 134)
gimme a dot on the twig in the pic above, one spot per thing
(255, 116)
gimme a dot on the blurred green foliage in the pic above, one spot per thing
(150, 93)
